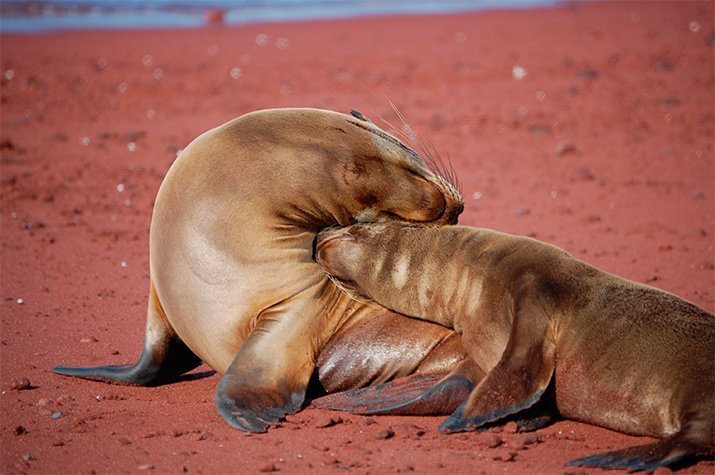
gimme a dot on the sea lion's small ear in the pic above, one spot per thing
(358, 115)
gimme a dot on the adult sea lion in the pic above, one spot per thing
(608, 351)
(233, 282)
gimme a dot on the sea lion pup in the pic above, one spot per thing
(232, 279)
(612, 352)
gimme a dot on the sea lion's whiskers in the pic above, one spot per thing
(437, 164)
(406, 127)
(401, 135)
(428, 151)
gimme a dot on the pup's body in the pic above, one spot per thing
(619, 354)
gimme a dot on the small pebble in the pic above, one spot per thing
(146, 466)
(330, 460)
(385, 434)
(588, 74)
(518, 72)
(537, 130)
(531, 438)
(585, 173)
(57, 415)
(63, 399)
(328, 421)
(564, 148)
(408, 431)
(517, 444)
(21, 384)
(44, 402)
(206, 435)
(28, 457)
(504, 456)
(269, 467)
(369, 421)
(20, 301)
(19, 430)
(404, 468)
(490, 440)
(665, 65)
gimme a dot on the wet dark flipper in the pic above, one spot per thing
(522, 375)
(411, 395)
(254, 409)
(159, 364)
(429, 394)
(269, 376)
(164, 357)
(665, 453)
(541, 414)
(530, 424)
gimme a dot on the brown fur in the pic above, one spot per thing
(619, 354)
(233, 282)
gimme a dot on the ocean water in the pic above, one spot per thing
(28, 16)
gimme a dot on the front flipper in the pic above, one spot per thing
(430, 394)
(665, 453)
(521, 376)
(254, 409)
(164, 358)
(270, 374)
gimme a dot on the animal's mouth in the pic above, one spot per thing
(325, 238)
(452, 202)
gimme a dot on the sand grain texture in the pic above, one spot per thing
(604, 146)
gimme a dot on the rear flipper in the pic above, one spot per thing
(665, 453)
(164, 358)
(432, 394)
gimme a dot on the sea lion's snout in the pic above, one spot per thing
(330, 236)
(335, 250)
(421, 201)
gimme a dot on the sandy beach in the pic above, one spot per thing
(588, 125)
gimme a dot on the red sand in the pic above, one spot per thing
(605, 148)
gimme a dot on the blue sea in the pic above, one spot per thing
(46, 15)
